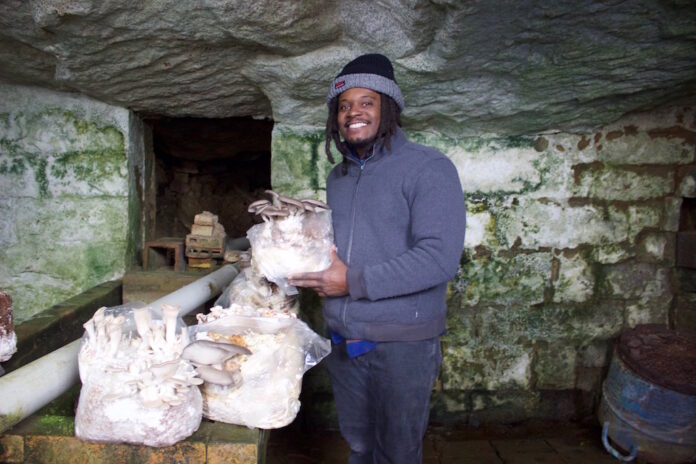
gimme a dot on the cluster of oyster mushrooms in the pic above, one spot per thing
(295, 236)
(254, 290)
(146, 362)
(260, 317)
(281, 206)
(136, 387)
(8, 338)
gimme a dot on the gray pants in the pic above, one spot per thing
(383, 399)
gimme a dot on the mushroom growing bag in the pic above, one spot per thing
(135, 386)
(282, 348)
(299, 241)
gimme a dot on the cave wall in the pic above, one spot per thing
(570, 239)
(69, 207)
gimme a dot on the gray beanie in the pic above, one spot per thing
(372, 71)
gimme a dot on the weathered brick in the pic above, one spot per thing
(480, 229)
(575, 281)
(629, 280)
(554, 366)
(611, 253)
(549, 224)
(613, 183)
(64, 449)
(486, 366)
(231, 453)
(11, 448)
(685, 311)
(504, 406)
(494, 168)
(518, 279)
(642, 148)
(657, 248)
(183, 452)
(648, 311)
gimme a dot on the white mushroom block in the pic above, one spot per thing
(8, 338)
(136, 388)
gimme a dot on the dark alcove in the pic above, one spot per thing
(216, 165)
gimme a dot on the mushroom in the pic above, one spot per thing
(169, 315)
(295, 205)
(253, 207)
(219, 377)
(274, 198)
(271, 211)
(315, 203)
(209, 352)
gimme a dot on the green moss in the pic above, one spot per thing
(311, 170)
(14, 167)
(90, 165)
(471, 144)
(8, 420)
(40, 165)
(602, 286)
(100, 262)
(520, 279)
(56, 425)
(476, 206)
(298, 164)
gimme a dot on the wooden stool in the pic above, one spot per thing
(167, 243)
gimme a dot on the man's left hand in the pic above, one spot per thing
(329, 282)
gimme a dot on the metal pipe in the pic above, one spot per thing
(31, 387)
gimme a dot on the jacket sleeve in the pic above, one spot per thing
(438, 222)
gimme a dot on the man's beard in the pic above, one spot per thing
(359, 144)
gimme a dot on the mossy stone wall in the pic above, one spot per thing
(570, 239)
(64, 195)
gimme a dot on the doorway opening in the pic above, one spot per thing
(215, 165)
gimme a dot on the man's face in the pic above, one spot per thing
(358, 117)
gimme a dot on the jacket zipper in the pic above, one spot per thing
(350, 237)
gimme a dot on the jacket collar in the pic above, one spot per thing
(379, 150)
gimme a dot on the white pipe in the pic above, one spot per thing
(31, 387)
(191, 296)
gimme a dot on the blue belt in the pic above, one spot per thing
(354, 348)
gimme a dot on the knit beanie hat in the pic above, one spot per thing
(372, 71)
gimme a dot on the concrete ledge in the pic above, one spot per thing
(60, 324)
(50, 438)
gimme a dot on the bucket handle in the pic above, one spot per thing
(612, 450)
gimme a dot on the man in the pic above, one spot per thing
(399, 216)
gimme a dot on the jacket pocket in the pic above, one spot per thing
(401, 309)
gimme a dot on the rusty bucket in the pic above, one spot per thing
(648, 406)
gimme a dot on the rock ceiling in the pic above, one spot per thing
(465, 67)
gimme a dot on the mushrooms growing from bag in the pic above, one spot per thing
(216, 362)
(136, 388)
(8, 338)
(295, 236)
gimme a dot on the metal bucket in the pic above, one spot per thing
(648, 406)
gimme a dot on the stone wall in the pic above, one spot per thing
(570, 239)
(64, 195)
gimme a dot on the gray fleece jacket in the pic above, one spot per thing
(399, 225)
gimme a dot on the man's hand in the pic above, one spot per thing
(330, 282)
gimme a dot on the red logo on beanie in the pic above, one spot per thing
(339, 84)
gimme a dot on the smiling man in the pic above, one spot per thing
(399, 217)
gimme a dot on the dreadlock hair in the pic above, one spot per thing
(389, 120)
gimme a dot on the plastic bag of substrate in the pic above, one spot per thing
(294, 243)
(135, 386)
(265, 388)
(249, 288)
